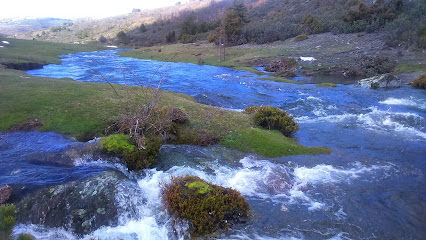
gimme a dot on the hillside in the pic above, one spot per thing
(250, 21)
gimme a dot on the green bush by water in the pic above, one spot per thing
(273, 118)
(419, 82)
(7, 221)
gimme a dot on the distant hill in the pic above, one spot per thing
(12, 26)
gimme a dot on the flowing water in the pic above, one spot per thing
(371, 186)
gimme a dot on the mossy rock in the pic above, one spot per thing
(25, 236)
(208, 207)
(419, 82)
(118, 144)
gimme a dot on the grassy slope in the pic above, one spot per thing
(84, 109)
(24, 51)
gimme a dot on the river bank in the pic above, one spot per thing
(332, 54)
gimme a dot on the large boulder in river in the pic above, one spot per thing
(80, 206)
(5, 193)
(385, 81)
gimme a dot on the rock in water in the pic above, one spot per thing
(5, 193)
(81, 206)
(385, 81)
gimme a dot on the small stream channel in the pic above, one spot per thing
(370, 187)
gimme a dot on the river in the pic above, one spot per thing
(371, 186)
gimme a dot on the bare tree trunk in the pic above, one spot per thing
(220, 48)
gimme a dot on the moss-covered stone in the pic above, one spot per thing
(118, 144)
(25, 236)
(208, 207)
(419, 82)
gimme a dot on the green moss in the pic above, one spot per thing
(326, 85)
(202, 187)
(268, 143)
(208, 207)
(118, 144)
(7, 221)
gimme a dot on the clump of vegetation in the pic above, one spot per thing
(301, 37)
(273, 118)
(141, 134)
(371, 66)
(286, 67)
(7, 221)
(208, 207)
(419, 82)
(25, 236)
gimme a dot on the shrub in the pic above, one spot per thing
(273, 118)
(310, 25)
(208, 207)
(285, 67)
(301, 37)
(419, 82)
(7, 221)
(371, 66)
(25, 236)
(102, 39)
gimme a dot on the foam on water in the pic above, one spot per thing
(413, 102)
(142, 216)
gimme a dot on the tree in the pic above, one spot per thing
(232, 26)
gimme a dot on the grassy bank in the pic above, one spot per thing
(84, 110)
(24, 51)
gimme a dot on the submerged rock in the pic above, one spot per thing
(80, 206)
(385, 81)
(5, 193)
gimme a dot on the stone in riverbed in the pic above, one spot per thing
(5, 193)
(385, 81)
(80, 206)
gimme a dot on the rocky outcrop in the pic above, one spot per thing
(385, 81)
(5, 193)
(80, 206)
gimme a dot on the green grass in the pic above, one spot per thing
(268, 143)
(410, 67)
(280, 79)
(326, 85)
(24, 51)
(252, 70)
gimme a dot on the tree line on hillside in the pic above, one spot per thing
(258, 21)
